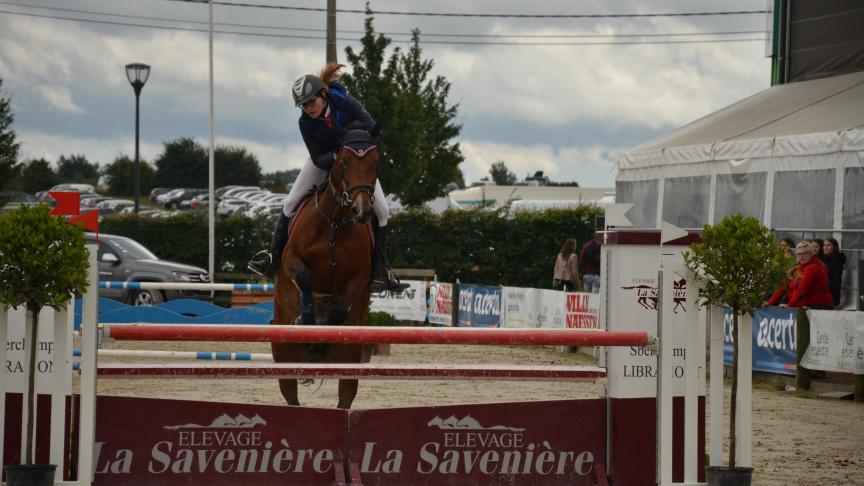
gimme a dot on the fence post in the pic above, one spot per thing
(802, 340)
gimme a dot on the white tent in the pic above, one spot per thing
(791, 156)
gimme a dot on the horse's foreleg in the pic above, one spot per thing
(289, 391)
(347, 393)
(304, 280)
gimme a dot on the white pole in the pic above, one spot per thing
(63, 320)
(89, 347)
(715, 428)
(694, 358)
(743, 447)
(211, 205)
(664, 381)
(4, 376)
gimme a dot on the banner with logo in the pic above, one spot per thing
(550, 314)
(479, 306)
(515, 302)
(773, 339)
(499, 443)
(583, 310)
(440, 304)
(404, 305)
(835, 341)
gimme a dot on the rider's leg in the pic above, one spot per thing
(382, 277)
(266, 262)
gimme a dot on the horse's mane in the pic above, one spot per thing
(330, 72)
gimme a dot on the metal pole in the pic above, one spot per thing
(136, 170)
(331, 31)
(211, 224)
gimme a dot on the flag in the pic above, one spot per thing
(68, 203)
(669, 232)
(616, 214)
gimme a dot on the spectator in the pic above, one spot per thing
(589, 263)
(788, 244)
(810, 289)
(834, 259)
(566, 275)
(816, 248)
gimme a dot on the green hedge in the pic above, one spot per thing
(476, 246)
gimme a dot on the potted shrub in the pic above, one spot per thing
(43, 261)
(737, 263)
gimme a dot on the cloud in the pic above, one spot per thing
(58, 98)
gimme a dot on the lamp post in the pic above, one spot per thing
(137, 74)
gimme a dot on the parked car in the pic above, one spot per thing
(157, 191)
(125, 260)
(173, 199)
(230, 207)
(69, 187)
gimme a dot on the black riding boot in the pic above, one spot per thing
(266, 262)
(382, 277)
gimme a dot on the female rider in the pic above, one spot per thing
(327, 110)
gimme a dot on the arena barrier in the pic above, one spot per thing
(557, 442)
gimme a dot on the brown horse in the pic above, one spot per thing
(328, 255)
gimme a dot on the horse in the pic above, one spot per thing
(329, 255)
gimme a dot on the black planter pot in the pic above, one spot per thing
(728, 476)
(30, 475)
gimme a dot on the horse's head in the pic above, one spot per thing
(353, 175)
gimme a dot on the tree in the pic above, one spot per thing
(9, 166)
(121, 175)
(183, 163)
(417, 158)
(234, 165)
(37, 175)
(501, 174)
(77, 168)
(279, 181)
(43, 261)
(737, 263)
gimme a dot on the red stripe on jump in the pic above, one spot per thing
(352, 371)
(371, 335)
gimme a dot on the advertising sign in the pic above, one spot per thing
(16, 346)
(404, 305)
(479, 306)
(583, 310)
(440, 304)
(185, 442)
(773, 339)
(502, 443)
(834, 342)
(515, 302)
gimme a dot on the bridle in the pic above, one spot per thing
(346, 195)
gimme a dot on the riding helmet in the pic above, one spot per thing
(306, 87)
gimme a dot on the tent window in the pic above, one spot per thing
(685, 201)
(803, 199)
(742, 194)
(643, 195)
(853, 207)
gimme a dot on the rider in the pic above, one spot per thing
(327, 110)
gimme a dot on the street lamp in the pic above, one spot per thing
(137, 74)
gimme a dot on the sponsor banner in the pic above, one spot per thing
(835, 341)
(145, 441)
(479, 306)
(631, 286)
(773, 339)
(16, 379)
(535, 308)
(550, 314)
(515, 302)
(583, 310)
(405, 305)
(501, 443)
(440, 304)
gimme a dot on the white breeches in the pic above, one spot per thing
(310, 175)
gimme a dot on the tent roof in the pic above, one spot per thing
(749, 128)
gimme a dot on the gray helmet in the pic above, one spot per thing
(305, 88)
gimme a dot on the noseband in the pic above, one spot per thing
(360, 148)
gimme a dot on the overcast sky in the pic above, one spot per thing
(567, 110)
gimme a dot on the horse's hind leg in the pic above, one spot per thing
(289, 391)
(347, 393)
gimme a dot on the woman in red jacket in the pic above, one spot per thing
(810, 289)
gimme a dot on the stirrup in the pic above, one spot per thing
(260, 263)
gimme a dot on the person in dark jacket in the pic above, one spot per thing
(327, 111)
(834, 259)
(589, 265)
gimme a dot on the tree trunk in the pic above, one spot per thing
(31, 384)
(736, 335)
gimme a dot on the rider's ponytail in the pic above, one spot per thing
(330, 72)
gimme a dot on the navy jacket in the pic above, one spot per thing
(322, 134)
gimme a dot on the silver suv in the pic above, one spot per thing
(123, 259)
